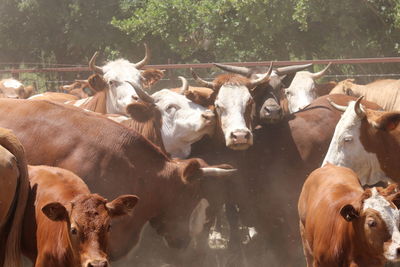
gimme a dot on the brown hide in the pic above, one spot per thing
(112, 159)
(55, 97)
(14, 182)
(325, 198)
(64, 224)
(200, 95)
(151, 76)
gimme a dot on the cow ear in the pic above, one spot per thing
(97, 83)
(191, 172)
(349, 213)
(141, 111)
(388, 121)
(55, 211)
(122, 205)
(151, 76)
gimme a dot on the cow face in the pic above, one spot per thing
(183, 122)
(366, 142)
(116, 74)
(183, 211)
(10, 88)
(376, 223)
(88, 219)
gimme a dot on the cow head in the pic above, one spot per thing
(184, 205)
(88, 220)
(183, 121)
(366, 141)
(268, 96)
(11, 88)
(234, 106)
(376, 219)
(79, 88)
(116, 73)
(344, 87)
(303, 90)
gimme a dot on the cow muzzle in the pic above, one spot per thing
(97, 263)
(240, 139)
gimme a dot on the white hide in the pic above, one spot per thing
(391, 216)
(301, 91)
(346, 149)
(119, 93)
(231, 105)
(11, 83)
(182, 122)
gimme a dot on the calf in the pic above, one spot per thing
(368, 142)
(343, 225)
(66, 225)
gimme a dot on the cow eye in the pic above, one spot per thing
(171, 108)
(371, 223)
(348, 139)
(74, 231)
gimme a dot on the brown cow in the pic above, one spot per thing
(66, 225)
(368, 142)
(385, 93)
(343, 225)
(113, 159)
(14, 186)
(55, 97)
(11, 88)
(79, 88)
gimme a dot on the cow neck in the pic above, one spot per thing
(384, 144)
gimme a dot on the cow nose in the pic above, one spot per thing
(98, 263)
(240, 136)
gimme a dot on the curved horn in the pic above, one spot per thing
(146, 58)
(92, 64)
(142, 94)
(201, 81)
(338, 107)
(358, 108)
(291, 69)
(321, 73)
(217, 172)
(235, 69)
(185, 85)
(262, 79)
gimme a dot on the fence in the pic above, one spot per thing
(49, 78)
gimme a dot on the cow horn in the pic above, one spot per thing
(338, 107)
(358, 108)
(201, 81)
(321, 73)
(291, 69)
(235, 69)
(262, 79)
(92, 64)
(81, 81)
(142, 94)
(146, 58)
(185, 85)
(217, 172)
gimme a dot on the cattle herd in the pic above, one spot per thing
(305, 170)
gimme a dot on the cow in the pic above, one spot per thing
(64, 223)
(113, 160)
(79, 88)
(14, 190)
(288, 90)
(180, 121)
(234, 106)
(341, 224)
(383, 92)
(116, 92)
(54, 96)
(368, 142)
(11, 88)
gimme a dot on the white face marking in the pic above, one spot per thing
(182, 122)
(120, 93)
(231, 105)
(347, 150)
(301, 91)
(12, 83)
(198, 218)
(391, 216)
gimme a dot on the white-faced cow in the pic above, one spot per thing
(368, 142)
(343, 225)
(117, 92)
(11, 88)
